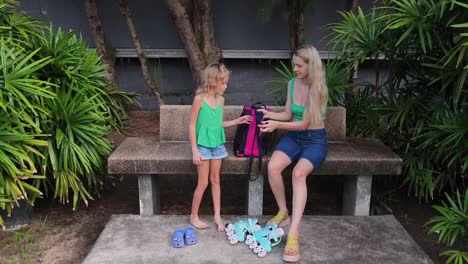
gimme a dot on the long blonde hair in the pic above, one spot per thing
(212, 75)
(316, 82)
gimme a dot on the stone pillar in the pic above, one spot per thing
(255, 196)
(148, 189)
(357, 195)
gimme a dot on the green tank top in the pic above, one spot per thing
(209, 129)
(298, 110)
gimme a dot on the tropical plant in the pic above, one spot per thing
(451, 225)
(56, 111)
(336, 79)
(80, 116)
(281, 83)
(20, 96)
(420, 108)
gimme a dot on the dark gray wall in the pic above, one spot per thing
(236, 23)
(248, 81)
(237, 27)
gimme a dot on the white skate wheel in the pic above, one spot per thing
(253, 243)
(229, 227)
(262, 253)
(257, 249)
(248, 239)
(233, 241)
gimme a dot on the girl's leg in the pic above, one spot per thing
(299, 176)
(215, 171)
(203, 172)
(278, 162)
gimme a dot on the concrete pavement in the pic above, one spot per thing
(325, 239)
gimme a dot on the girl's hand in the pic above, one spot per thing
(197, 158)
(244, 119)
(268, 126)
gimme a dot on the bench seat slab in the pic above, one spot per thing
(148, 156)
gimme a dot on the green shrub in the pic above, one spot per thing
(56, 112)
(419, 108)
(452, 225)
(336, 79)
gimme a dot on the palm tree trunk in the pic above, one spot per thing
(97, 31)
(197, 35)
(352, 5)
(296, 24)
(125, 10)
(187, 35)
(209, 47)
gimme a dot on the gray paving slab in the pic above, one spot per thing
(325, 239)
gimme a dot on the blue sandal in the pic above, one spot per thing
(178, 238)
(190, 237)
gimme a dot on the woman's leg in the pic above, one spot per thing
(299, 176)
(215, 172)
(278, 162)
(203, 172)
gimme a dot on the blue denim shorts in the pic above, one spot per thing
(215, 153)
(305, 144)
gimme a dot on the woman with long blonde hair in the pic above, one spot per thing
(304, 143)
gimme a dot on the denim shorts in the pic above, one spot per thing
(305, 144)
(215, 153)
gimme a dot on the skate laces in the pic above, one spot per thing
(292, 246)
(279, 217)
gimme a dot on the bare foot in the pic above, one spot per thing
(220, 224)
(197, 223)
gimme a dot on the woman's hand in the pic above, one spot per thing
(246, 119)
(197, 158)
(268, 126)
(266, 113)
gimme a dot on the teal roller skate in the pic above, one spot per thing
(264, 240)
(251, 241)
(240, 230)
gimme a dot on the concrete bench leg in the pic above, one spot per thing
(357, 195)
(148, 189)
(255, 196)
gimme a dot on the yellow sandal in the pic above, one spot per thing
(281, 219)
(291, 251)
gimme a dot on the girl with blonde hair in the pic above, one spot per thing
(304, 143)
(207, 137)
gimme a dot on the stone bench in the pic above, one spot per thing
(357, 160)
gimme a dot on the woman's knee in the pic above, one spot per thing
(299, 175)
(274, 168)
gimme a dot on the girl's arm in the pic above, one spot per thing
(241, 120)
(196, 105)
(286, 115)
